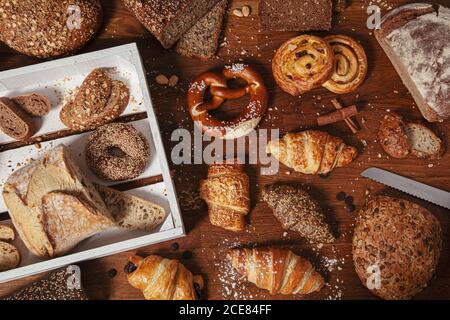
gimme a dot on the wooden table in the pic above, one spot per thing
(382, 91)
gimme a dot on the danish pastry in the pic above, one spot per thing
(302, 63)
(350, 64)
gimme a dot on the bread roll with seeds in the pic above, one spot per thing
(9, 256)
(49, 28)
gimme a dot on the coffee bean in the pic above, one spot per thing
(349, 200)
(186, 255)
(341, 196)
(112, 273)
(174, 246)
(130, 267)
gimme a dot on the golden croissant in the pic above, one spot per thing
(276, 269)
(227, 193)
(312, 151)
(162, 279)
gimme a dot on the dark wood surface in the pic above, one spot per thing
(382, 91)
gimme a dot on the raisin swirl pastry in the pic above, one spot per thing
(302, 63)
(350, 64)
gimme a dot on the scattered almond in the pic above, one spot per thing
(161, 79)
(238, 13)
(246, 11)
(173, 80)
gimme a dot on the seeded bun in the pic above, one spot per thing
(49, 28)
(396, 247)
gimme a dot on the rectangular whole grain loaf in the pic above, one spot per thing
(168, 20)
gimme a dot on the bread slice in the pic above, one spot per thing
(202, 40)
(131, 212)
(294, 15)
(415, 39)
(6, 233)
(393, 136)
(24, 189)
(14, 121)
(424, 142)
(9, 256)
(34, 104)
(168, 20)
(69, 219)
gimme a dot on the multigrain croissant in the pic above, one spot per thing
(227, 193)
(162, 279)
(312, 152)
(276, 269)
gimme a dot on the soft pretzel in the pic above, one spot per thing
(247, 120)
(302, 63)
(350, 64)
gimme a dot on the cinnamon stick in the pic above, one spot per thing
(337, 116)
(350, 123)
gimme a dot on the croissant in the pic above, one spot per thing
(276, 269)
(227, 193)
(312, 152)
(162, 279)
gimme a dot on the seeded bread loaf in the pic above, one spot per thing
(202, 40)
(34, 104)
(49, 28)
(293, 15)
(55, 171)
(415, 37)
(14, 121)
(168, 20)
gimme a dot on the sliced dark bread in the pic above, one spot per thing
(34, 104)
(424, 142)
(168, 20)
(14, 121)
(294, 15)
(202, 40)
(131, 212)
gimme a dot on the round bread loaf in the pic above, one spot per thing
(48, 28)
(396, 247)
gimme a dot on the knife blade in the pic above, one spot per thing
(415, 188)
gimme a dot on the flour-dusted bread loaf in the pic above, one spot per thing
(24, 190)
(6, 233)
(53, 287)
(131, 212)
(9, 256)
(168, 20)
(34, 104)
(415, 37)
(49, 28)
(396, 247)
(294, 15)
(14, 121)
(202, 40)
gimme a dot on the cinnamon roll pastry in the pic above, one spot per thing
(302, 63)
(350, 64)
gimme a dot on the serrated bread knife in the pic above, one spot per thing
(417, 189)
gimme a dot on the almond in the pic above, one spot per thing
(161, 79)
(246, 11)
(173, 80)
(238, 13)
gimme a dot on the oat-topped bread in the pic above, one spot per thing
(298, 211)
(49, 28)
(415, 37)
(202, 40)
(396, 247)
(168, 20)
(293, 15)
(14, 121)
(48, 191)
(61, 284)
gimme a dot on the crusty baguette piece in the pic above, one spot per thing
(24, 189)
(9, 256)
(415, 38)
(49, 28)
(131, 212)
(423, 141)
(168, 20)
(69, 219)
(202, 40)
(6, 233)
(34, 104)
(14, 121)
